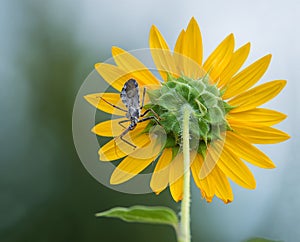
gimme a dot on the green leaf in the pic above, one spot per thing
(143, 214)
(261, 240)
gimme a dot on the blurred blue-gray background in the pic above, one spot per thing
(48, 48)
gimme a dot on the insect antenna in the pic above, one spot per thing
(113, 105)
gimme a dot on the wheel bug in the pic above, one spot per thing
(131, 98)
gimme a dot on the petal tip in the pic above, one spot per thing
(269, 56)
(252, 185)
(267, 59)
(284, 82)
(115, 50)
(227, 201)
(193, 21)
(281, 84)
(177, 199)
(97, 65)
(101, 155)
(193, 24)
(93, 130)
(114, 181)
(153, 28)
(116, 177)
(89, 99)
(156, 191)
(287, 136)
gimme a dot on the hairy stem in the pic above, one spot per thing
(184, 229)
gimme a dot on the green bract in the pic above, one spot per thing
(208, 110)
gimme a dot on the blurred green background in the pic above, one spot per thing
(47, 50)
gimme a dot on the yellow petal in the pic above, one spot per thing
(259, 116)
(151, 149)
(178, 49)
(188, 67)
(116, 148)
(160, 177)
(112, 128)
(215, 183)
(235, 169)
(219, 58)
(212, 156)
(176, 177)
(97, 101)
(179, 43)
(243, 149)
(176, 168)
(237, 60)
(113, 75)
(188, 51)
(129, 168)
(195, 168)
(156, 40)
(161, 54)
(222, 186)
(133, 66)
(247, 78)
(110, 151)
(258, 134)
(176, 189)
(192, 45)
(206, 185)
(256, 96)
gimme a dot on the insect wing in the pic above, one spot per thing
(130, 94)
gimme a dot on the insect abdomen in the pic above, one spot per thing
(130, 93)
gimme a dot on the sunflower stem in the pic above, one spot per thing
(184, 229)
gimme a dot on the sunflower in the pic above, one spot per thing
(228, 119)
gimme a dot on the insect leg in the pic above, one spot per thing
(123, 121)
(152, 111)
(150, 117)
(114, 105)
(127, 142)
